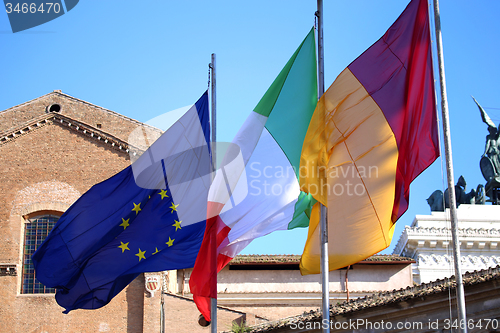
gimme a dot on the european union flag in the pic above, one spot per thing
(147, 218)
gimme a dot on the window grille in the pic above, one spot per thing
(35, 232)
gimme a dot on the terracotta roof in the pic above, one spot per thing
(384, 298)
(301, 292)
(253, 259)
(265, 259)
(387, 259)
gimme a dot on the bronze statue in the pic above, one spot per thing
(490, 168)
(437, 201)
(490, 161)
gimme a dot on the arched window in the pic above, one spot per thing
(35, 232)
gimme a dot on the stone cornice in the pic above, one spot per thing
(425, 232)
(468, 262)
(446, 232)
(68, 123)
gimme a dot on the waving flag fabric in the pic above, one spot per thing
(119, 229)
(372, 133)
(260, 193)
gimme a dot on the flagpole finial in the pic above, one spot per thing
(209, 74)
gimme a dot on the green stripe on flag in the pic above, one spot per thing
(289, 104)
(302, 212)
(267, 102)
(292, 113)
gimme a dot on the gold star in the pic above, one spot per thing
(173, 207)
(170, 242)
(155, 251)
(137, 208)
(141, 254)
(177, 225)
(163, 194)
(125, 223)
(124, 247)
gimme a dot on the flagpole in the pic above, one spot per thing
(213, 301)
(325, 283)
(462, 319)
(162, 307)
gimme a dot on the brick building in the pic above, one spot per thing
(53, 149)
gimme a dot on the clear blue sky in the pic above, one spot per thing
(144, 58)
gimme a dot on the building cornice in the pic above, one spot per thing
(468, 262)
(412, 234)
(446, 232)
(287, 298)
(69, 123)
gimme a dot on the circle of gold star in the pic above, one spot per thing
(140, 254)
(125, 223)
(137, 208)
(177, 225)
(173, 207)
(124, 246)
(163, 194)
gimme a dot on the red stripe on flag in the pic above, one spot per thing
(203, 280)
(397, 73)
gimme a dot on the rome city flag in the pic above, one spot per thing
(261, 194)
(373, 131)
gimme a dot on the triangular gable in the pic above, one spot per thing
(107, 121)
(69, 124)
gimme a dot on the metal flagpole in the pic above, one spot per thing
(449, 171)
(162, 306)
(213, 301)
(325, 283)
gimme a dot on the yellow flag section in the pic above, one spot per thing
(359, 144)
(372, 133)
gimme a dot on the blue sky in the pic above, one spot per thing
(145, 58)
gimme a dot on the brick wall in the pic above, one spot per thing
(48, 168)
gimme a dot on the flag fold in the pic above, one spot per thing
(373, 132)
(118, 229)
(258, 192)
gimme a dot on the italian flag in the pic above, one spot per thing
(256, 190)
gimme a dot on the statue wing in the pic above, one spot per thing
(484, 115)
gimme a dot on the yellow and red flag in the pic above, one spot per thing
(373, 132)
